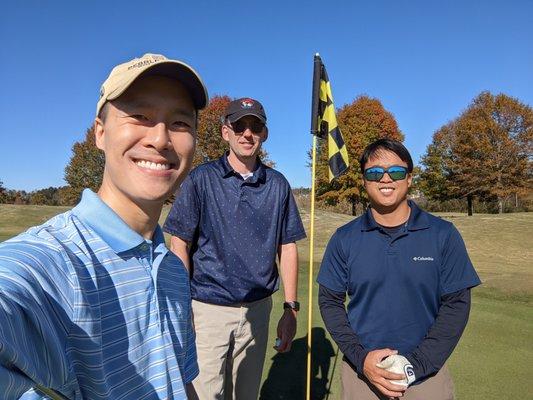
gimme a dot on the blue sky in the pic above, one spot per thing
(425, 61)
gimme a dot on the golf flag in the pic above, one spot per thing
(324, 121)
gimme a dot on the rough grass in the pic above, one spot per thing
(490, 362)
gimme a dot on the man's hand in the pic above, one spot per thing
(400, 365)
(286, 330)
(191, 392)
(381, 378)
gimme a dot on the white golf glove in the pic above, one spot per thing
(399, 365)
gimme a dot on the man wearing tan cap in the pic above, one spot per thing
(92, 304)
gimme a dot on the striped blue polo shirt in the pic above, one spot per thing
(91, 309)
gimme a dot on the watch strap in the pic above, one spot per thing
(293, 305)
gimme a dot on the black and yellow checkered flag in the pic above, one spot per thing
(324, 121)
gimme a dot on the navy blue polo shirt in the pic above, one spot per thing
(235, 227)
(395, 282)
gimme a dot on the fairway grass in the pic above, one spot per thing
(492, 358)
(15, 218)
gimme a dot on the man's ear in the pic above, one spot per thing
(265, 137)
(99, 133)
(225, 133)
(409, 180)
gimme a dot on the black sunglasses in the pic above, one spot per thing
(396, 173)
(240, 126)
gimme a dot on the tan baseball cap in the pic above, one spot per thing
(123, 75)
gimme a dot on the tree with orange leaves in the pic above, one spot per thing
(361, 122)
(485, 152)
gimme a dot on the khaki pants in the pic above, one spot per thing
(231, 344)
(438, 387)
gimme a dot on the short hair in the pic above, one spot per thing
(386, 145)
(103, 111)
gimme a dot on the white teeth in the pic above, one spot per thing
(152, 165)
(386, 190)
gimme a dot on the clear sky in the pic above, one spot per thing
(425, 61)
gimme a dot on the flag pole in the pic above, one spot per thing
(314, 131)
(311, 254)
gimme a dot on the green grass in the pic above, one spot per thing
(492, 357)
(15, 219)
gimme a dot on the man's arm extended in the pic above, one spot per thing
(31, 344)
(288, 265)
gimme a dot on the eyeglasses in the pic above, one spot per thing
(240, 126)
(396, 173)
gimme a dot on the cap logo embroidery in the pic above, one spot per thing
(145, 62)
(247, 103)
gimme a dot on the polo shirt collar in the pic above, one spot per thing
(108, 225)
(368, 223)
(417, 219)
(227, 170)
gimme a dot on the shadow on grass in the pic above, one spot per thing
(287, 376)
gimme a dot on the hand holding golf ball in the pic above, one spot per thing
(399, 365)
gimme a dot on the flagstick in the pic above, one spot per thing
(311, 254)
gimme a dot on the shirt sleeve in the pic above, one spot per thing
(184, 216)
(292, 226)
(191, 369)
(33, 326)
(457, 271)
(333, 313)
(333, 272)
(442, 338)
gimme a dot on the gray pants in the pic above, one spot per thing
(438, 387)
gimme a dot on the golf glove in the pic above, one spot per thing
(399, 365)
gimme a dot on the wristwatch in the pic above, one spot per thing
(293, 305)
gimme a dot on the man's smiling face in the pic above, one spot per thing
(386, 194)
(245, 144)
(148, 136)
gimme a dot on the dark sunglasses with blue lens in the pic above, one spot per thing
(396, 173)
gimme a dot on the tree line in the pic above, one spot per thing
(483, 156)
(86, 166)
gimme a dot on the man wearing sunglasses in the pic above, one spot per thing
(408, 277)
(230, 220)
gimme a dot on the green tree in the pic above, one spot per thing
(485, 152)
(86, 166)
(436, 177)
(3, 193)
(361, 122)
(48, 196)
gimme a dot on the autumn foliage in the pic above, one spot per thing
(486, 152)
(361, 122)
(85, 169)
(210, 144)
(86, 166)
